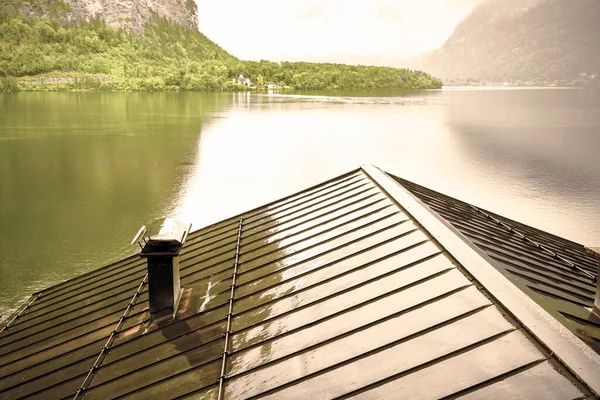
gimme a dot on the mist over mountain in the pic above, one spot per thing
(540, 42)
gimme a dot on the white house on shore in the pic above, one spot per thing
(241, 80)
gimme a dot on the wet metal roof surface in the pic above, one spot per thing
(349, 289)
(558, 274)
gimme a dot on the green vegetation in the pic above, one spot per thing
(191, 6)
(44, 54)
(8, 84)
(55, 9)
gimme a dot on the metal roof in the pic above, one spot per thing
(352, 288)
(558, 274)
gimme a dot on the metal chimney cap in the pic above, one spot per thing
(162, 235)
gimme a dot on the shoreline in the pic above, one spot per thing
(107, 83)
(112, 84)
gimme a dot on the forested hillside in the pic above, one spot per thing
(49, 53)
(523, 41)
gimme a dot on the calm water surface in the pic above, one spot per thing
(80, 172)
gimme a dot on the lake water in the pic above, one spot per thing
(80, 172)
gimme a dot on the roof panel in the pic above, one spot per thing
(143, 336)
(488, 357)
(337, 296)
(361, 269)
(540, 381)
(309, 194)
(412, 322)
(62, 390)
(362, 206)
(556, 273)
(269, 228)
(171, 386)
(339, 291)
(140, 370)
(95, 303)
(360, 343)
(285, 213)
(317, 231)
(318, 234)
(52, 370)
(326, 251)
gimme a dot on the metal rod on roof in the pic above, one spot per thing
(18, 315)
(221, 378)
(90, 375)
(536, 244)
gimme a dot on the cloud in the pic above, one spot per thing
(313, 11)
(333, 30)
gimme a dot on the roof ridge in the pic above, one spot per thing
(567, 349)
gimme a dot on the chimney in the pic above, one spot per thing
(160, 245)
(595, 251)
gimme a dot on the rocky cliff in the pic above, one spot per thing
(127, 14)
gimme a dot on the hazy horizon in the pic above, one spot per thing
(326, 31)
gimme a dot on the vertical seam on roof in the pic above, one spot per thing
(109, 342)
(568, 350)
(236, 263)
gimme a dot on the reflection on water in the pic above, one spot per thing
(530, 154)
(79, 172)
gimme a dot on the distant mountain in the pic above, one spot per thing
(523, 42)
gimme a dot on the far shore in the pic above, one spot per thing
(107, 83)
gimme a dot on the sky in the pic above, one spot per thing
(350, 31)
